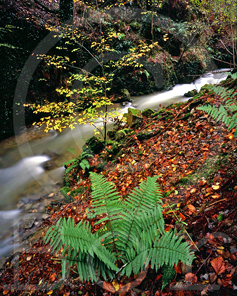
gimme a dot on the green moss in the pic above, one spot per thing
(148, 112)
(183, 181)
(186, 116)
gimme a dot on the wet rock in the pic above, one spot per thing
(191, 93)
(50, 165)
(45, 216)
(29, 222)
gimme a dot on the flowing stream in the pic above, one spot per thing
(22, 173)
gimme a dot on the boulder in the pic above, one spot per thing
(134, 117)
(191, 93)
(125, 95)
(148, 112)
(111, 134)
(94, 145)
(121, 134)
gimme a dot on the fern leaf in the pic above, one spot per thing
(80, 239)
(167, 249)
(142, 200)
(168, 273)
(105, 201)
(145, 197)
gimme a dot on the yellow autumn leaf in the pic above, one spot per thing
(216, 187)
(115, 284)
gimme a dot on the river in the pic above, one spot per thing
(22, 176)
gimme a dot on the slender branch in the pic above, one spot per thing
(226, 47)
(46, 8)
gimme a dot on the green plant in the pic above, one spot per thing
(131, 235)
(227, 111)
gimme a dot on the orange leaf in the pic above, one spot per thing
(215, 195)
(109, 287)
(218, 264)
(190, 277)
(191, 208)
(158, 277)
(178, 268)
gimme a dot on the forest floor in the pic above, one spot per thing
(196, 159)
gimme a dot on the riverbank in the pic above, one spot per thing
(196, 160)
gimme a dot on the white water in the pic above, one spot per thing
(25, 162)
(166, 98)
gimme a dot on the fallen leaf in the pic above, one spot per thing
(190, 277)
(203, 182)
(193, 190)
(216, 187)
(109, 287)
(216, 195)
(178, 268)
(218, 264)
(191, 208)
(213, 277)
(115, 284)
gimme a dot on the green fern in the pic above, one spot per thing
(132, 235)
(226, 112)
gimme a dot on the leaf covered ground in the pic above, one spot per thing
(196, 159)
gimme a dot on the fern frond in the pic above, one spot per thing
(168, 273)
(78, 239)
(146, 197)
(143, 199)
(133, 234)
(167, 249)
(106, 201)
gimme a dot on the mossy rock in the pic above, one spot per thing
(148, 112)
(160, 112)
(111, 134)
(114, 149)
(121, 134)
(186, 116)
(206, 87)
(168, 117)
(194, 104)
(147, 135)
(125, 95)
(134, 117)
(94, 145)
(135, 25)
(191, 93)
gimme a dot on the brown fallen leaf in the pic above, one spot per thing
(109, 287)
(191, 208)
(218, 264)
(213, 277)
(190, 277)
